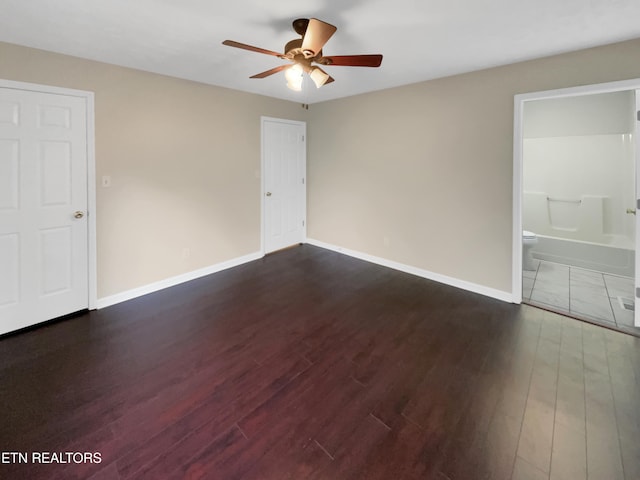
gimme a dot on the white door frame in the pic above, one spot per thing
(519, 101)
(91, 171)
(263, 190)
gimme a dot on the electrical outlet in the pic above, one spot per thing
(186, 253)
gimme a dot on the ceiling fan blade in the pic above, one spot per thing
(317, 34)
(271, 72)
(244, 46)
(352, 60)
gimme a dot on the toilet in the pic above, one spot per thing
(529, 240)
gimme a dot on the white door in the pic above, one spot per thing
(284, 189)
(636, 312)
(43, 207)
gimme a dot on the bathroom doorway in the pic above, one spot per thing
(575, 154)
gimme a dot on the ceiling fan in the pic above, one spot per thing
(305, 51)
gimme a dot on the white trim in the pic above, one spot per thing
(636, 284)
(173, 281)
(302, 124)
(516, 238)
(35, 87)
(92, 206)
(454, 282)
(91, 172)
(518, 132)
(609, 87)
(304, 175)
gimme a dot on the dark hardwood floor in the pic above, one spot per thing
(312, 365)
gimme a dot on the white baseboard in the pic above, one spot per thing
(454, 282)
(234, 262)
(172, 281)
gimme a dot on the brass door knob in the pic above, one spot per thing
(268, 194)
(78, 214)
(632, 211)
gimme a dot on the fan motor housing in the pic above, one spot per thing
(290, 47)
(293, 51)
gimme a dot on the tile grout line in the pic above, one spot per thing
(601, 319)
(613, 312)
(535, 277)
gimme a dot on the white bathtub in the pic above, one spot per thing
(617, 256)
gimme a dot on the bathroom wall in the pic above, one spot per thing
(580, 149)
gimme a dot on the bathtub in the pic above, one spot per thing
(616, 256)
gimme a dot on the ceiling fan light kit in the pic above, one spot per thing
(318, 76)
(305, 51)
(294, 77)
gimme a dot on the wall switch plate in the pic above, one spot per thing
(106, 181)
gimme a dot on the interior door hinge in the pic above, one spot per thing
(303, 223)
(638, 115)
(303, 181)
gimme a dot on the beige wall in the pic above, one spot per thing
(183, 159)
(420, 174)
(429, 165)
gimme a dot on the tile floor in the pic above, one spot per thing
(581, 293)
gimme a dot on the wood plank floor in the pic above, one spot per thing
(311, 365)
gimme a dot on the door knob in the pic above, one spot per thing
(78, 214)
(268, 194)
(632, 211)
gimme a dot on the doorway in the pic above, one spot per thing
(47, 192)
(575, 197)
(283, 183)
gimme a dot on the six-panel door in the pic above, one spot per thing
(43, 207)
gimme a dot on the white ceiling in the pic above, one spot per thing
(420, 39)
